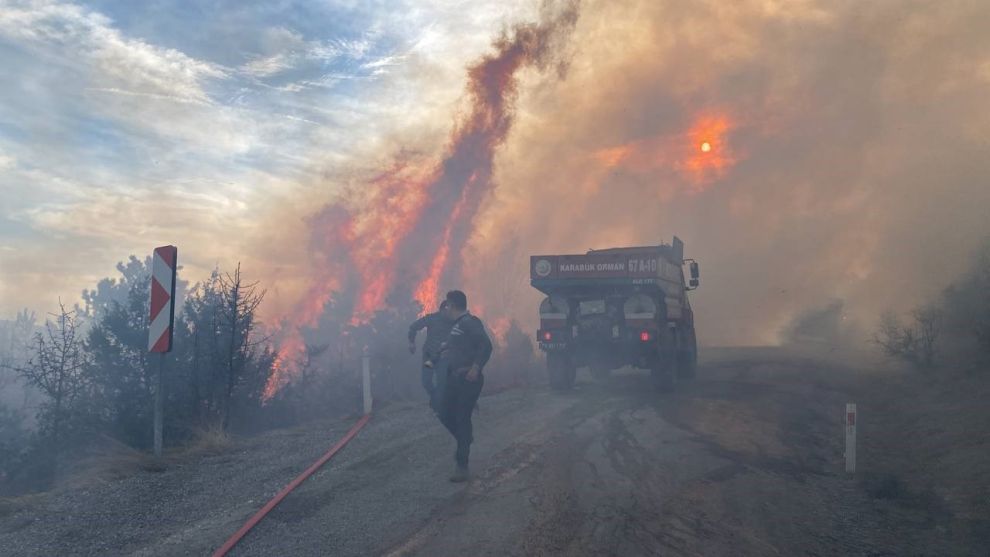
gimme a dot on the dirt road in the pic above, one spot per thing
(746, 460)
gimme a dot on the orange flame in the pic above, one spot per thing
(289, 352)
(371, 242)
(428, 291)
(390, 212)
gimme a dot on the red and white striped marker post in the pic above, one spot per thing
(851, 438)
(162, 317)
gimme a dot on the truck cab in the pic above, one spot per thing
(617, 307)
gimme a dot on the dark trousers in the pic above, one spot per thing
(459, 398)
(433, 380)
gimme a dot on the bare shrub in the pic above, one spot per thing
(210, 440)
(915, 342)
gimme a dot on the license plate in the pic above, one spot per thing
(552, 345)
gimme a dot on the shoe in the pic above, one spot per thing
(460, 475)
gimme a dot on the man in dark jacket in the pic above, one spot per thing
(437, 327)
(466, 352)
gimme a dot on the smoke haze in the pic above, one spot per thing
(844, 161)
(846, 156)
(848, 147)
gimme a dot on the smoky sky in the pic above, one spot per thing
(858, 135)
(848, 161)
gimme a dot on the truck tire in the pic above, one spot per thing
(688, 357)
(664, 374)
(560, 371)
(665, 368)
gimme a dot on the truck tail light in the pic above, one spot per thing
(644, 336)
(547, 336)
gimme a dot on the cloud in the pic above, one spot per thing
(286, 50)
(96, 72)
(119, 61)
(269, 65)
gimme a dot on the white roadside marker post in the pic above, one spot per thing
(366, 380)
(851, 438)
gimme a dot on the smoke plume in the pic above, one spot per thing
(400, 235)
(805, 152)
(846, 155)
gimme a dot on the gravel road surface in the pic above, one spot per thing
(746, 460)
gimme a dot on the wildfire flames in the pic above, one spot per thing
(401, 234)
(427, 293)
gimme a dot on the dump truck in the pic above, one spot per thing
(611, 308)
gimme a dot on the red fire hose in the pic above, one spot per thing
(229, 544)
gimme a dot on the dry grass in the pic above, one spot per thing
(923, 436)
(110, 460)
(925, 442)
(106, 461)
(207, 442)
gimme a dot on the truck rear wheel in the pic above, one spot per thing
(561, 371)
(666, 368)
(687, 365)
(664, 374)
